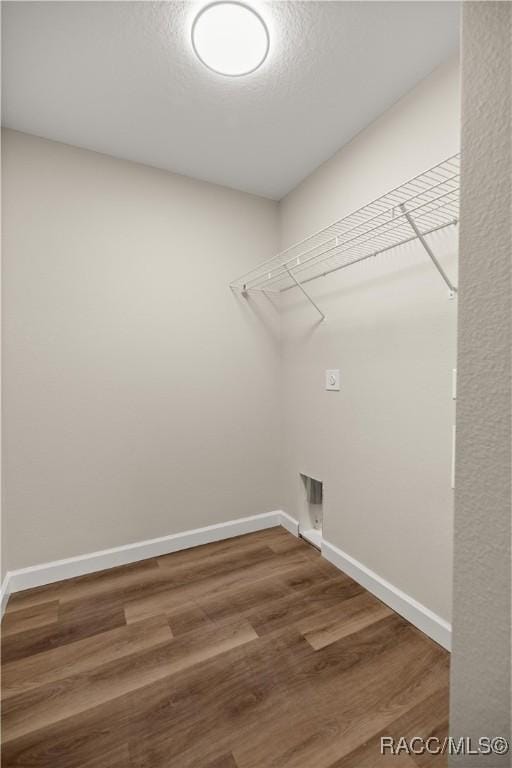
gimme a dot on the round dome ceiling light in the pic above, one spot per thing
(230, 38)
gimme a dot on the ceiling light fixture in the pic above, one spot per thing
(230, 38)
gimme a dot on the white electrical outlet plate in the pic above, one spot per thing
(332, 379)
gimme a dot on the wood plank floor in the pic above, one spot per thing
(248, 653)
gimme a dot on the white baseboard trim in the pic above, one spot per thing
(289, 523)
(47, 573)
(5, 592)
(58, 570)
(422, 618)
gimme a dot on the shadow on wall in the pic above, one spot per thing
(263, 308)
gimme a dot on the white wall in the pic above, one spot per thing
(481, 674)
(382, 445)
(140, 396)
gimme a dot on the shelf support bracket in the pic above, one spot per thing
(435, 262)
(306, 294)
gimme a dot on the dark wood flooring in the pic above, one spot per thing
(247, 653)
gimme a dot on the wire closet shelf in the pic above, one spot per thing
(414, 210)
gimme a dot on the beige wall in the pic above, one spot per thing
(140, 395)
(481, 681)
(142, 398)
(382, 445)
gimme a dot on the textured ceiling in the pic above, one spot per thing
(121, 78)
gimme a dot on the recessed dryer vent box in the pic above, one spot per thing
(311, 510)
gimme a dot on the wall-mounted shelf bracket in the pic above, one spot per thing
(306, 294)
(451, 288)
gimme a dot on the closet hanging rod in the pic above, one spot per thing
(454, 159)
(341, 247)
(411, 211)
(394, 220)
(372, 255)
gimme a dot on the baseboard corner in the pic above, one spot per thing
(289, 522)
